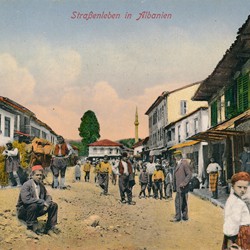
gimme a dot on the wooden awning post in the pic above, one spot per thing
(233, 156)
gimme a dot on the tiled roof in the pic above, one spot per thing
(105, 143)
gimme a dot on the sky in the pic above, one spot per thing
(59, 65)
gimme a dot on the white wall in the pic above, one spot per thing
(4, 139)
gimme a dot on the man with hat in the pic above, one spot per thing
(182, 176)
(104, 171)
(125, 171)
(59, 162)
(34, 201)
(12, 164)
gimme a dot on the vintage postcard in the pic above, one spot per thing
(106, 100)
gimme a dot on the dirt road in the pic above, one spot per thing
(145, 226)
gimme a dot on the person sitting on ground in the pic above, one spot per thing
(236, 226)
(34, 201)
(158, 179)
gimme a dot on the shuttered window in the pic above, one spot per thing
(243, 92)
(231, 102)
(214, 114)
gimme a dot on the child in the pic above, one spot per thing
(236, 227)
(168, 183)
(78, 171)
(158, 178)
(143, 179)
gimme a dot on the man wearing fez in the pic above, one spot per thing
(12, 164)
(182, 176)
(60, 162)
(125, 173)
(34, 201)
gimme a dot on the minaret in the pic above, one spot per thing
(136, 126)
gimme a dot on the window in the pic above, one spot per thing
(173, 133)
(196, 125)
(187, 129)
(44, 135)
(15, 122)
(214, 114)
(7, 127)
(183, 107)
(243, 93)
(35, 132)
(179, 133)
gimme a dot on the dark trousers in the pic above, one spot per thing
(167, 190)
(181, 206)
(104, 182)
(87, 175)
(30, 213)
(143, 189)
(157, 189)
(124, 187)
(150, 184)
(114, 178)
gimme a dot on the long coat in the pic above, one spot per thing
(182, 175)
(28, 194)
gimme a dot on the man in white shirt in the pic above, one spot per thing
(34, 201)
(125, 172)
(12, 164)
(214, 171)
(150, 170)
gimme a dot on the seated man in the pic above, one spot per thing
(34, 201)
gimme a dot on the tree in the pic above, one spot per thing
(128, 142)
(89, 129)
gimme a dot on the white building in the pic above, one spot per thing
(19, 123)
(105, 147)
(179, 131)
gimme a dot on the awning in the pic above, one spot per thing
(184, 144)
(21, 133)
(222, 130)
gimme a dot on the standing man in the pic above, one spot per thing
(86, 169)
(125, 171)
(34, 201)
(104, 171)
(214, 172)
(12, 164)
(245, 158)
(150, 170)
(59, 162)
(182, 176)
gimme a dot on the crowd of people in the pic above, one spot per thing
(158, 179)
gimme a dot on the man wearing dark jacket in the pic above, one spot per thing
(125, 174)
(34, 201)
(182, 176)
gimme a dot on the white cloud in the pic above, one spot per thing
(16, 81)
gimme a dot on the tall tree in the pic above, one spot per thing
(89, 129)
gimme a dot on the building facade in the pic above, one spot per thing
(227, 91)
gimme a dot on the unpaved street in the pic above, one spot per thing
(145, 226)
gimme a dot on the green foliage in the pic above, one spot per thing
(127, 142)
(80, 146)
(89, 130)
